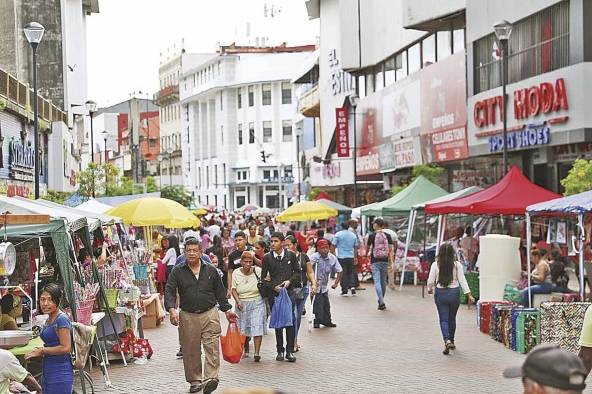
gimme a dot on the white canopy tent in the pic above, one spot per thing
(93, 205)
(420, 207)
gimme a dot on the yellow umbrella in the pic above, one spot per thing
(307, 210)
(200, 212)
(154, 211)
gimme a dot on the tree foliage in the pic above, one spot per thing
(431, 172)
(55, 196)
(151, 185)
(178, 194)
(579, 178)
(93, 177)
(313, 193)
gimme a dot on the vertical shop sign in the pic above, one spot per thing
(342, 129)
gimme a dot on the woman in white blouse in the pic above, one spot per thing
(446, 274)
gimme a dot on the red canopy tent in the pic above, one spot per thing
(510, 196)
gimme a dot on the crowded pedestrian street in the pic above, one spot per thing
(370, 351)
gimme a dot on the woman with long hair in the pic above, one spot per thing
(307, 275)
(227, 241)
(446, 275)
(217, 250)
(173, 251)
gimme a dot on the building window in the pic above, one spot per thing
(538, 44)
(207, 176)
(286, 93)
(222, 134)
(428, 47)
(444, 42)
(270, 175)
(221, 102)
(215, 175)
(369, 81)
(224, 173)
(251, 95)
(414, 58)
(361, 86)
(240, 134)
(389, 71)
(251, 133)
(287, 131)
(267, 131)
(458, 40)
(266, 94)
(378, 78)
(239, 97)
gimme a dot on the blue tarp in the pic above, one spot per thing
(577, 204)
(114, 201)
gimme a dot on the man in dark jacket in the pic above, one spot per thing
(281, 269)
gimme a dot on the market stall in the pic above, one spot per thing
(418, 208)
(307, 211)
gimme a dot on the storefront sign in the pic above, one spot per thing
(404, 153)
(443, 109)
(571, 152)
(530, 136)
(11, 190)
(368, 163)
(340, 81)
(21, 160)
(528, 102)
(462, 179)
(342, 130)
(331, 170)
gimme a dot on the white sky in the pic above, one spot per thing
(126, 38)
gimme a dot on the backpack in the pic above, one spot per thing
(380, 251)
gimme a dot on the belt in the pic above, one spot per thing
(199, 312)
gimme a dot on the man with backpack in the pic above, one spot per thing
(380, 250)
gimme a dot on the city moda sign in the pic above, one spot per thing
(544, 98)
(342, 131)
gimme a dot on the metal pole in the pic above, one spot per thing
(92, 151)
(504, 103)
(170, 169)
(528, 246)
(298, 164)
(106, 154)
(355, 161)
(35, 121)
(280, 186)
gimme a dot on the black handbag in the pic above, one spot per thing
(263, 287)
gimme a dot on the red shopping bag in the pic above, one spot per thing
(233, 344)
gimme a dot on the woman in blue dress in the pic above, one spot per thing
(58, 374)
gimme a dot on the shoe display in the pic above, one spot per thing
(290, 357)
(279, 357)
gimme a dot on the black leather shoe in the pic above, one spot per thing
(279, 357)
(330, 325)
(210, 386)
(290, 357)
(317, 325)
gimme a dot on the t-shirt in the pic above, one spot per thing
(7, 322)
(345, 243)
(371, 239)
(10, 370)
(170, 258)
(246, 285)
(586, 334)
(234, 258)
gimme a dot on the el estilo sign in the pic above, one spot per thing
(545, 99)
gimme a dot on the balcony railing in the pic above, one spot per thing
(166, 94)
(20, 98)
(309, 102)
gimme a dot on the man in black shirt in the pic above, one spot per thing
(200, 288)
(283, 269)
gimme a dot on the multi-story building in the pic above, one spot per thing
(428, 78)
(238, 111)
(173, 170)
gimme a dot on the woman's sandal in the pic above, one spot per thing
(447, 347)
(296, 348)
(257, 358)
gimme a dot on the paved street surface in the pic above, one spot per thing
(397, 351)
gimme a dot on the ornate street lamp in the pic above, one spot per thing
(503, 30)
(354, 99)
(34, 33)
(91, 107)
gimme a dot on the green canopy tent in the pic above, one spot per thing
(420, 190)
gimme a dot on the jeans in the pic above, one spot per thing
(300, 304)
(542, 288)
(347, 280)
(379, 271)
(447, 302)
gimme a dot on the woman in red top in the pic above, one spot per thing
(160, 267)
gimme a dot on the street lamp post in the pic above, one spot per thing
(160, 158)
(34, 33)
(169, 151)
(105, 135)
(91, 107)
(503, 30)
(354, 99)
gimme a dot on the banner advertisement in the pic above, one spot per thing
(342, 129)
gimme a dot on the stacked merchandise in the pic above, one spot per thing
(484, 311)
(561, 323)
(495, 328)
(473, 281)
(525, 329)
(85, 300)
(506, 327)
(113, 279)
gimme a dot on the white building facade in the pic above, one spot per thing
(238, 112)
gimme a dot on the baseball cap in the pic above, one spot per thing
(551, 366)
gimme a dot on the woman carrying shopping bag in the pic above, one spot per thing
(446, 274)
(251, 309)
